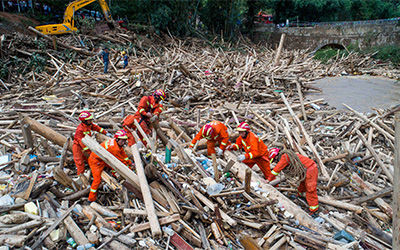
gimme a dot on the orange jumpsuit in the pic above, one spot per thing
(309, 185)
(78, 147)
(219, 135)
(256, 153)
(146, 105)
(97, 164)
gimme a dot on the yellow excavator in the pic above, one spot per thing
(68, 24)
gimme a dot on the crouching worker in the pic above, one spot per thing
(80, 152)
(216, 134)
(115, 147)
(298, 169)
(256, 152)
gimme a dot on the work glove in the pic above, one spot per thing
(109, 134)
(229, 148)
(153, 119)
(241, 157)
(219, 151)
(149, 115)
(139, 145)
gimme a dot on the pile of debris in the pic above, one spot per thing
(44, 203)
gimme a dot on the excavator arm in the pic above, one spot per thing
(68, 24)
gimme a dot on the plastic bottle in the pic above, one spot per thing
(86, 246)
(215, 189)
(71, 242)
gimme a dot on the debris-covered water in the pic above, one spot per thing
(359, 92)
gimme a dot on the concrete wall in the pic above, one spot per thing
(317, 36)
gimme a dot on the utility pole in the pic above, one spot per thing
(396, 185)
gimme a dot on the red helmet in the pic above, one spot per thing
(121, 134)
(273, 152)
(244, 126)
(85, 115)
(160, 93)
(207, 131)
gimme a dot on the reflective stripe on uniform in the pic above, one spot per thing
(140, 111)
(148, 103)
(93, 190)
(223, 143)
(106, 144)
(216, 137)
(250, 156)
(244, 142)
(101, 130)
(237, 146)
(127, 158)
(86, 132)
(274, 173)
(191, 144)
(314, 207)
(86, 148)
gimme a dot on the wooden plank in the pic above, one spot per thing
(396, 185)
(148, 200)
(373, 196)
(118, 166)
(75, 231)
(162, 221)
(31, 185)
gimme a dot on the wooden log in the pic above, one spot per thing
(396, 185)
(99, 221)
(137, 212)
(27, 135)
(51, 39)
(77, 195)
(340, 204)
(75, 231)
(47, 132)
(247, 181)
(30, 187)
(27, 225)
(123, 238)
(162, 221)
(179, 131)
(279, 50)
(386, 208)
(148, 200)
(118, 166)
(12, 240)
(103, 210)
(377, 158)
(381, 193)
(304, 219)
(215, 167)
(301, 100)
(307, 137)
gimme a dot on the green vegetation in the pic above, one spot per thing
(229, 17)
(383, 53)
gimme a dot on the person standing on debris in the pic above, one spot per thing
(80, 151)
(105, 54)
(125, 57)
(256, 152)
(298, 169)
(149, 109)
(116, 147)
(216, 133)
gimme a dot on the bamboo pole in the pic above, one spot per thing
(148, 200)
(396, 185)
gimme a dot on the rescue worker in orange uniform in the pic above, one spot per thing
(256, 150)
(149, 109)
(115, 147)
(216, 133)
(79, 150)
(308, 182)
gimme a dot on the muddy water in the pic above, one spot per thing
(359, 92)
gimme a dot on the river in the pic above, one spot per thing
(362, 93)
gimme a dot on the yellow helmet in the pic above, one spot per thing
(123, 52)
